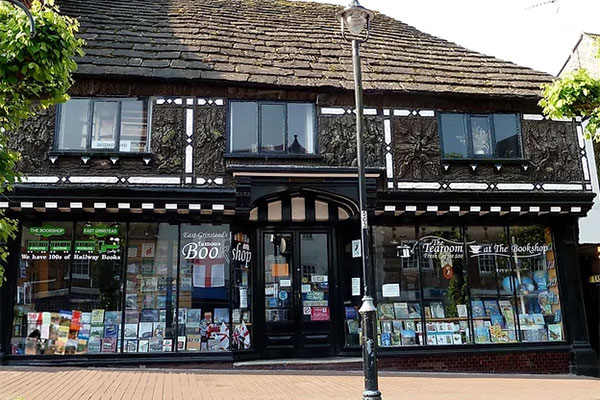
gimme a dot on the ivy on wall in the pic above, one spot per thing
(35, 72)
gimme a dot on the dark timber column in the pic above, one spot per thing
(7, 297)
(583, 358)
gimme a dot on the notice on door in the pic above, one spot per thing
(356, 248)
(280, 270)
(355, 286)
(319, 314)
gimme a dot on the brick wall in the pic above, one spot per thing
(540, 362)
(543, 362)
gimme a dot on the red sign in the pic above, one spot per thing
(447, 271)
(319, 314)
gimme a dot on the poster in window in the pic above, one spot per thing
(278, 270)
(132, 251)
(148, 250)
(208, 276)
(319, 314)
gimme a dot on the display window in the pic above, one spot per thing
(536, 284)
(491, 279)
(68, 289)
(150, 288)
(98, 287)
(204, 307)
(460, 285)
(241, 313)
(399, 293)
(440, 253)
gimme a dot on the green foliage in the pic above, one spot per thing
(457, 294)
(575, 95)
(35, 72)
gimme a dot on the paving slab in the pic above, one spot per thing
(43, 383)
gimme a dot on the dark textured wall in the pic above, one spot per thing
(168, 131)
(553, 150)
(211, 139)
(550, 147)
(417, 148)
(337, 140)
(33, 141)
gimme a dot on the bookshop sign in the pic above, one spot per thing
(438, 247)
(47, 230)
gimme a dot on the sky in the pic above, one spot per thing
(527, 32)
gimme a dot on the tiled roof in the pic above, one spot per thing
(278, 42)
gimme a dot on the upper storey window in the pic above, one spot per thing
(103, 125)
(272, 127)
(495, 136)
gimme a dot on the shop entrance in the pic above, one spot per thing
(296, 271)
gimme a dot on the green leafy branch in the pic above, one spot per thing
(35, 72)
(575, 95)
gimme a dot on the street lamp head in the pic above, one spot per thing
(355, 18)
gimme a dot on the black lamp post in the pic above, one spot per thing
(357, 19)
(22, 6)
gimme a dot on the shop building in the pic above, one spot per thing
(196, 199)
(584, 56)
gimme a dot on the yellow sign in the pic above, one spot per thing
(594, 279)
(280, 270)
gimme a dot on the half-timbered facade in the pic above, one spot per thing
(196, 198)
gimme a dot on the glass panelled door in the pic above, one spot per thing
(279, 301)
(296, 289)
(314, 269)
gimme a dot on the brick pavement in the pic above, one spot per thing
(149, 384)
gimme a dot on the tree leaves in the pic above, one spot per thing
(575, 95)
(34, 73)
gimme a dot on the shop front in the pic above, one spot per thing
(281, 279)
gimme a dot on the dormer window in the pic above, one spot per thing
(103, 125)
(476, 136)
(272, 127)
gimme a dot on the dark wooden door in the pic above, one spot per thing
(296, 268)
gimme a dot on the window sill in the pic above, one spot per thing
(286, 156)
(99, 154)
(485, 161)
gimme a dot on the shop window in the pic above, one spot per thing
(57, 310)
(204, 313)
(103, 125)
(536, 284)
(445, 290)
(241, 317)
(466, 136)
(272, 127)
(398, 289)
(494, 285)
(151, 288)
(490, 280)
(73, 295)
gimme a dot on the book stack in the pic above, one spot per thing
(399, 324)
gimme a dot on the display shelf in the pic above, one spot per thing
(447, 319)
